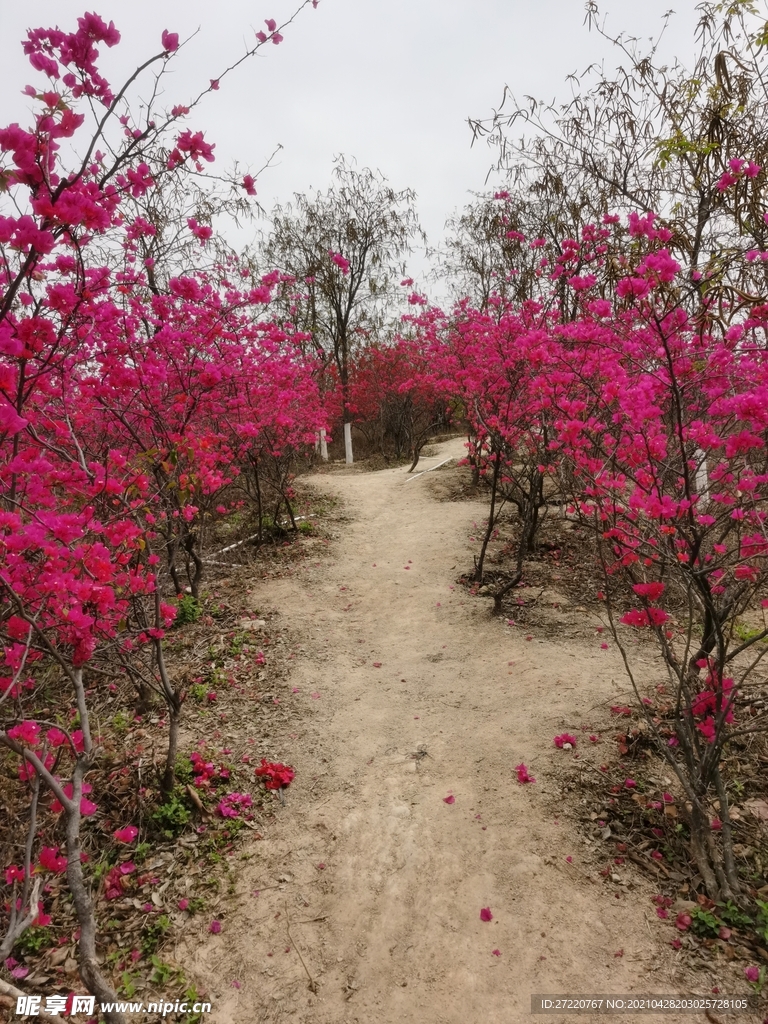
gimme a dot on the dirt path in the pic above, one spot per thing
(381, 881)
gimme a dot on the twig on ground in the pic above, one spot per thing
(312, 982)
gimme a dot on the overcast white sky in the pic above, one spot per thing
(389, 83)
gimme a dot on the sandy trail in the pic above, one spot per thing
(380, 880)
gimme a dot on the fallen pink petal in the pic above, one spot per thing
(126, 835)
(450, 799)
(565, 740)
(485, 914)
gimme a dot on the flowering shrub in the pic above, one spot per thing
(650, 415)
(133, 392)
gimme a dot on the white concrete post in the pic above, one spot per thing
(323, 445)
(348, 443)
(702, 479)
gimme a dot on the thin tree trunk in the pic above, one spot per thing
(491, 519)
(90, 971)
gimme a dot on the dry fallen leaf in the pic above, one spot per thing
(758, 807)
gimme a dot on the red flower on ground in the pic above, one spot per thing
(274, 774)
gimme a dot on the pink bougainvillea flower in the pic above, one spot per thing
(485, 914)
(275, 774)
(183, 904)
(676, 944)
(50, 860)
(563, 739)
(495, 952)
(126, 835)
(13, 874)
(629, 783)
(652, 591)
(42, 920)
(450, 799)
(752, 974)
(683, 921)
(25, 732)
(214, 927)
(56, 737)
(523, 774)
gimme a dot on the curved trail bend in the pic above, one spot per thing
(381, 881)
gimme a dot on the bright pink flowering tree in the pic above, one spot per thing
(396, 398)
(661, 415)
(126, 398)
(630, 389)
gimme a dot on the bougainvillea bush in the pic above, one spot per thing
(666, 438)
(133, 395)
(646, 405)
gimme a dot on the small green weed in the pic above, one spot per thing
(704, 923)
(164, 974)
(120, 722)
(761, 922)
(34, 940)
(154, 933)
(172, 816)
(141, 852)
(127, 985)
(188, 610)
(746, 633)
(183, 769)
(733, 915)
(192, 996)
